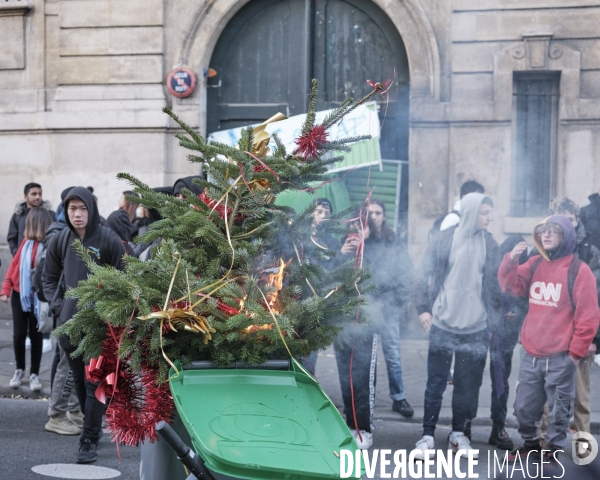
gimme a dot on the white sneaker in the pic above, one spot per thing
(27, 343)
(47, 345)
(597, 359)
(34, 383)
(426, 443)
(15, 381)
(367, 439)
(458, 441)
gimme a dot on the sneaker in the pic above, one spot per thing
(76, 418)
(61, 425)
(501, 440)
(458, 441)
(367, 439)
(524, 451)
(15, 381)
(403, 408)
(426, 443)
(47, 345)
(87, 452)
(34, 383)
(27, 343)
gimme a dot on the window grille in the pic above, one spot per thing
(535, 107)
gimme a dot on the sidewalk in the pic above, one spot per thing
(414, 360)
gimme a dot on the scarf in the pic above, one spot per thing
(28, 296)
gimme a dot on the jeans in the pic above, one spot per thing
(470, 352)
(510, 338)
(62, 399)
(86, 393)
(360, 347)
(390, 343)
(25, 323)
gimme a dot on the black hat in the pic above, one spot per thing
(325, 203)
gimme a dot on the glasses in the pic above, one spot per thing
(551, 230)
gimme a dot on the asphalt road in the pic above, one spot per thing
(25, 445)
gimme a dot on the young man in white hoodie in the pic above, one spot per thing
(459, 303)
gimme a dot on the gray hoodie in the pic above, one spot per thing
(459, 306)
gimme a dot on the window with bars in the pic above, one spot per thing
(535, 119)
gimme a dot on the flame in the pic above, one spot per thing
(276, 280)
(273, 279)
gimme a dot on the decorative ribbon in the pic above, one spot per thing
(261, 136)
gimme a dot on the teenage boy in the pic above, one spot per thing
(16, 228)
(326, 242)
(561, 323)
(392, 273)
(105, 248)
(453, 218)
(588, 253)
(459, 303)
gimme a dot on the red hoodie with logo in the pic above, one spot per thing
(552, 326)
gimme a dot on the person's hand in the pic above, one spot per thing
(4, 298)
(517, 251)
(591, 351)
(576, 362)
(351, 244)
(425, 319)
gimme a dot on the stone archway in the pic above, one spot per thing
(211, 18)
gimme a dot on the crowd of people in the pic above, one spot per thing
(473, 297)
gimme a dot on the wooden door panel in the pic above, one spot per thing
(261, 60)
(271, 49)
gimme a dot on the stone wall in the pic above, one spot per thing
(81, 93)
(82, 86)
(469, 134)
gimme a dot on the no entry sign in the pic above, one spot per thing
(181, 82)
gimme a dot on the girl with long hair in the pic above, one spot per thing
(24, 302)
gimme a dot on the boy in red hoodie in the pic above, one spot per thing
(560, 326)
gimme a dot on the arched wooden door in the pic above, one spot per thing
(270, 50)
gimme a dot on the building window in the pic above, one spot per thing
(535, 118)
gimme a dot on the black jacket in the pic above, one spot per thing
(590, 216)
(16, 228)
(118, 222)
(74, 266)
(434, 269)
(392, 272)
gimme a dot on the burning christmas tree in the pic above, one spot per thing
(235, 277)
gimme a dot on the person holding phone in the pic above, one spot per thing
(373, 245)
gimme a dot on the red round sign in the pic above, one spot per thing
(181, 82)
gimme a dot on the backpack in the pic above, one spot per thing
(37, 284)
(438, 223)
(585, 252)
(571, 276)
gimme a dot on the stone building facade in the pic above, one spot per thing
(82, 84)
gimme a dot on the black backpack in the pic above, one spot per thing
(37, 284)
(438, 223)
(571, 276)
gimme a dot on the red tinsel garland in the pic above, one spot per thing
(137, 401)
(220, 208)
(310, 144)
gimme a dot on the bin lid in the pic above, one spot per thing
(262, 424)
